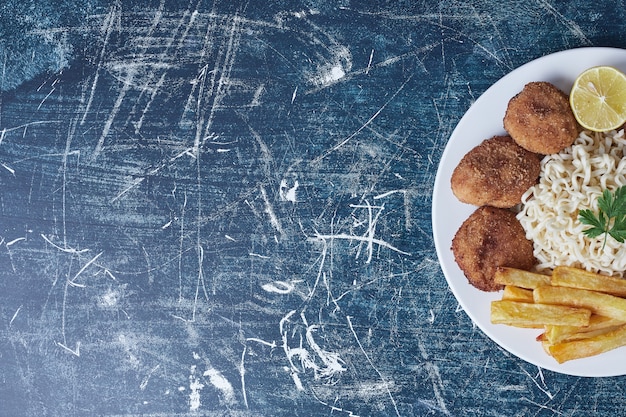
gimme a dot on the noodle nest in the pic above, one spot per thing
(570, 181)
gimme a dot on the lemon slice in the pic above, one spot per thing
(598, 98)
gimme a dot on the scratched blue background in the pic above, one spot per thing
(223, 207)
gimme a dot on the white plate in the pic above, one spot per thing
(482, 121)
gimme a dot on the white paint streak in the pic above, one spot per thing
(388, 193)
(334, 69)
(331, 363)
(297, 381)
(369, 360)
(369, 64)
(64, 249)
(370, 239)
(144, 382)
(541, 386)
(14, 241)
(73, 282)
(568, 23)
(107, 28)
(256, 99)
(221, 383)
(367, 123)
(286, 193)
(110, 275)
(116, 108)
(279, 287)
(8, 168)
(331, 75)
(257, 255)
(293, 96)
(195, 386)
(270, 212)
(75, 352)
(15, 315)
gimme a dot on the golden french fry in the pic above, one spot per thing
(582, 313)
(564, 276)
(528, 315)
(590, 334)
(599, 303)
(591, 346)
(514, 293)
(556, 334)
(520, 278)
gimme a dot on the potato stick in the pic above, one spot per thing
(514, 293)
(590, 334)
(556, 334)
(583, 348)
(599, 303)
(578, 278)
(520, 278)
(528, 315)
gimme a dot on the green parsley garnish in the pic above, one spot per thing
(611, 218)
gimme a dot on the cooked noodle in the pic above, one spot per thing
(571, 181)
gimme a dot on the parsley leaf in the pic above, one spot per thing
(611, 217)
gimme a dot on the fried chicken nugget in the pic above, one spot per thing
(496, 173)
(540, 119)
(491, 237)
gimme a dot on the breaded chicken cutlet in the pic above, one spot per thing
(497, 172)
(490, 238)
(540, 119)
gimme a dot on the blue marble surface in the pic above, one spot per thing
(223, 207)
